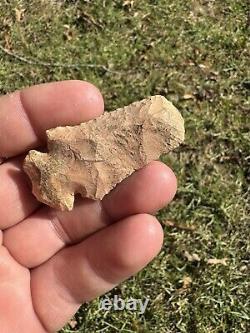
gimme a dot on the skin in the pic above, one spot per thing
(51, 262)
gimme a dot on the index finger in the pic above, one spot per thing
(25, 115)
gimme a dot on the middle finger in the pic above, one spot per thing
(40, 236)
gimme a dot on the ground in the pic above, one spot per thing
(196, 54)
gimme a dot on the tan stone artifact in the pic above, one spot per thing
(93, 157)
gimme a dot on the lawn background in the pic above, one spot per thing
(196, 53)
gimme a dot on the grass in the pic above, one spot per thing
(196, 54)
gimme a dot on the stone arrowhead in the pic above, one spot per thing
(93, 157)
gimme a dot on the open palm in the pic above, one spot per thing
(50, 261)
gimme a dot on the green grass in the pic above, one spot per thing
(196, 54)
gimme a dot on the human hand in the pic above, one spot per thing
(51, 261)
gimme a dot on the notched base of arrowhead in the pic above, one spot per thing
(93, 157)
